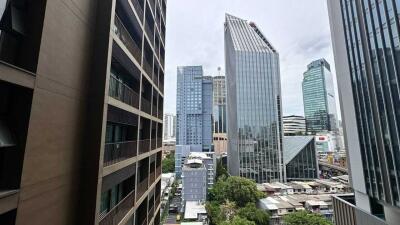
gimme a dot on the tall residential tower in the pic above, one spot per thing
(366, 43)
(254, 103)
(319, 98)
(81, 105)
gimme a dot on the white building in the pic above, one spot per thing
(169, 129)
(294, 125)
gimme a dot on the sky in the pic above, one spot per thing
(298, 29)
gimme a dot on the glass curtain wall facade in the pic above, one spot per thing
(300, 158)
(372, 39)
(254, 103)
(319, 98)
(194, 109)
(366, 44)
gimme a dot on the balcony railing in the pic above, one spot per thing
(146, 106)
(138, 8)
(142, 187)
(123, 92)
(144, 146)
(116, 152)
(158, 171)
(144, 222)
(153, 144)
(152, 177)
(161, 86)
(123, 34)
(159, 142)
(147, 67)
(151, 212)
(157, 202)
(117, 213)
(154, 111)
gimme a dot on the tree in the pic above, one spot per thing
(305, 218)
(252, 213)
(168, 164)
(236, 189)
(238, 221)
(221, 170)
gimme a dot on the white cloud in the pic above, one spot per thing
(298, 29)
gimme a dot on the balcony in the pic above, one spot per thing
(138, 8)
(122, 33)
(144, 222)
(117, 213)
(151, 212)
(144, 146)
(152, 177)
(123, 92)
(158, 171)
(117, 152)
(159, 142)
(157, 202)
(147, 67)
(146, 106)
(142, 187)
(153, 144)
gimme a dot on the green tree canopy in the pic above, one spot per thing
(238, 221)
(305, 218)
(168, 164)
(236, 189)
(252, 213)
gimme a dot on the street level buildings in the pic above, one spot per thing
(294, 125)
(366, 45)
(254, 113)
(81, 95)
(219, 113)
(319, 98)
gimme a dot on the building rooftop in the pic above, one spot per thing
(292, 145)
(193, 209)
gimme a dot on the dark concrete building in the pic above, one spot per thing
(81, 105)
(366, 43)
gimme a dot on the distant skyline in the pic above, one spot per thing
(298, 30)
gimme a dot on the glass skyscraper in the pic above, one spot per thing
(253, 102)
(366, 44)
(319, 98)
(194, 108)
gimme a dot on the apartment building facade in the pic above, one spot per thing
(81, 86)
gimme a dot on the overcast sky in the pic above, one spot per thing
(298, 29)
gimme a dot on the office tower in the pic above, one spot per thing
(319, 98)
(254, 103)
(294, 125)
(169, 126)
(194, 109)
(300, 158)
(219, 111)
(366, 45)
(78, 142)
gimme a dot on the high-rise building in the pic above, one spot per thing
(254, 103)
(219, 111)
(194, 109)
(169, 131)
(294, 125)
(81, 95)
(319, 98)
(366, 45)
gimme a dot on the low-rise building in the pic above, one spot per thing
(195, 211)
(194, 180)
(279, 206)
